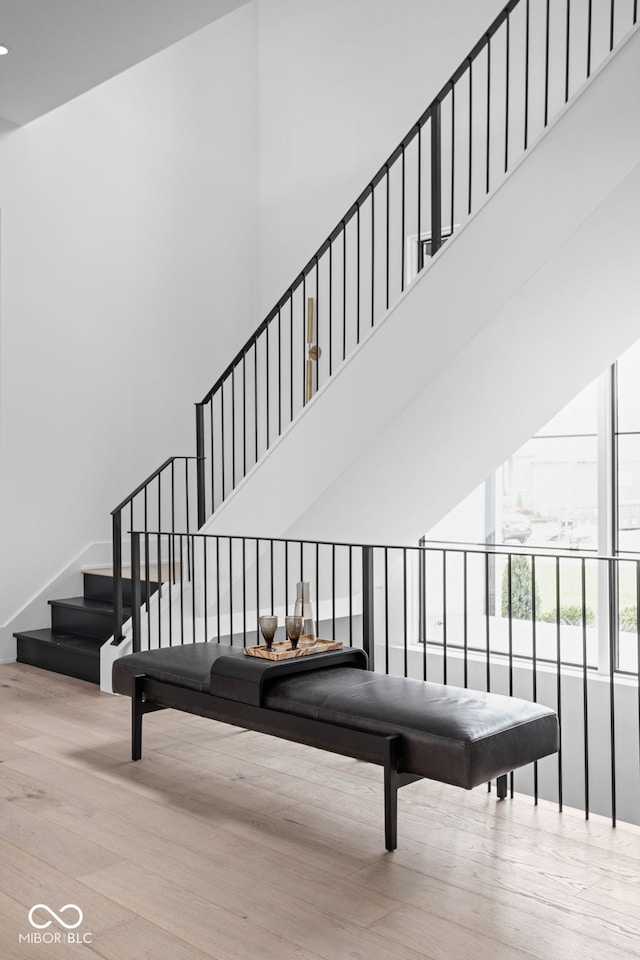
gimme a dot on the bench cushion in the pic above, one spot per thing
(458, 736)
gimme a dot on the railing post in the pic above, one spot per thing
(116, 523)
(200, 480)
(135, 591)
(436, 179)
(368, 640)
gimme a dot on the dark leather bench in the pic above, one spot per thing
(414, 729)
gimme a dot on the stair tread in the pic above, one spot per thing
(166, 571)
(91, 604)
(57, 638)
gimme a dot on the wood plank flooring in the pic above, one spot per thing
(226, 844)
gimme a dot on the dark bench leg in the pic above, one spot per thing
(139, 706)
(137, 713)
(501, 786)
(393, 780)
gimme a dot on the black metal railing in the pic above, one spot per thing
(545, 627)
(523, 70)
(519, 75)
(166, 500)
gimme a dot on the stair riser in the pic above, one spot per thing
(83, 623)
(98, 587)
(58, 660)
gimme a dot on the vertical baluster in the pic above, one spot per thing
(506, 95)
(136, 600)
(613, 633)
(330, 306)
(173, 515)
(559, 681)
(344, 290)
(279, 373)
(534, 663)
(638, 641)
(386, 610)
(205, 574)
(526, 78)
(510, 587)
(211, 448)
(244, 592)
(358, 271)
(567, 52)
(291, 355)
(171, 558)
(368, 608)
(230, 591)
(402, 228)
(258, 589)
(271, 574)
(546, 69)
(116, 540)
(180, 539)
(350, 596)
(255, 397)
(465, 622)
(488, 159)
(304, 307)
(612, 24)
(470, 134)
(159, 559)
(191, 547)
(223, 459)
(266, 382)
(453, 157)
(585, 703)
(405, 613)
(286, 578)
(200, 469)
(333, 591)
(589, 29)
(317, 589)
(436, 178)
(387, 238)
(420, 250)
(373, 255)
(487, 602)
(218, 585)
(233, 428)
(444, 617)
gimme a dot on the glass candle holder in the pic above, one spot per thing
(293, 627)
(268, 627)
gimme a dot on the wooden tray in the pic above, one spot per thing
(281, 649)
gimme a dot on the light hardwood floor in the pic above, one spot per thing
(226, 844)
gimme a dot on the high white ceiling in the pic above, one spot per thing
(61, 48)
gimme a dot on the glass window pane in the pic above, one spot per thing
(548, 494)
(629, 493)
(628, 393)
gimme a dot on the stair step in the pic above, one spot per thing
(98, 585)
(60, 652)
(84, 617)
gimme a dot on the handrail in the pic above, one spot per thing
(149, 479)
(373, 183)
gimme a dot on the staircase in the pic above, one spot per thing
(79, 627)
(532, 61)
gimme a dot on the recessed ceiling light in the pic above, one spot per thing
(3, 50)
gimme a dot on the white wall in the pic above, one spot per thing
(341, 82)
(400, 435)
(128, 218)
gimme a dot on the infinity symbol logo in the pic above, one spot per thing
(55, 916)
